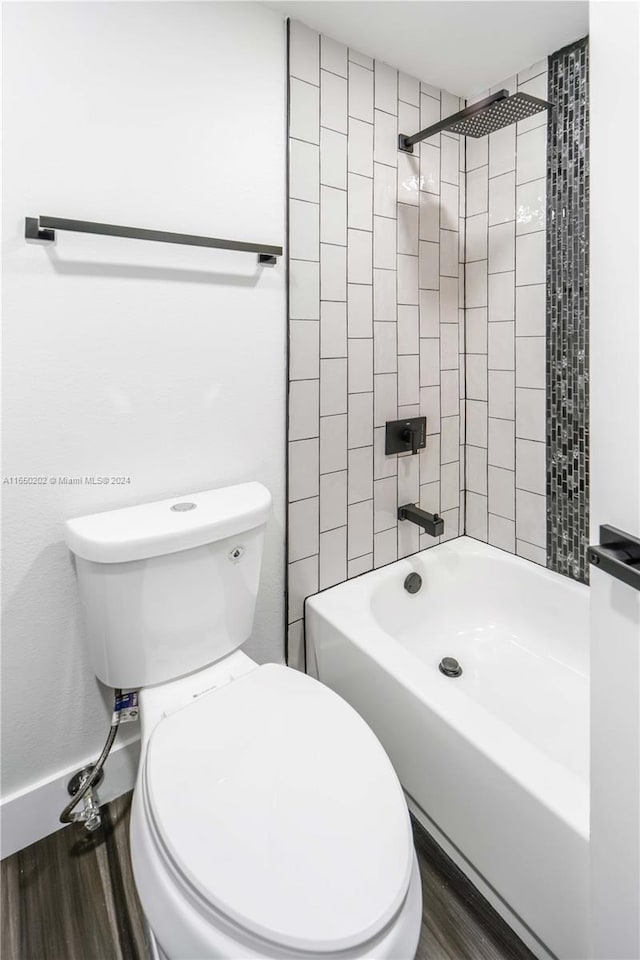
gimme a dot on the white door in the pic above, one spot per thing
(615, 479)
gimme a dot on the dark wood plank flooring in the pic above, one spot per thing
(71, 896)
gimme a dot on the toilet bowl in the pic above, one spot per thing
(267, 820)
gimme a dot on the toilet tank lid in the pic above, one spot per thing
(168, 526)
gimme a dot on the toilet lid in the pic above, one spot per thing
(277, 805)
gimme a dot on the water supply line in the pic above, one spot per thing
(81, 785)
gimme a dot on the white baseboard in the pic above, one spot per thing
(32, 813)
(528, 937)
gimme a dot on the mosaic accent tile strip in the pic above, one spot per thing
(567, 360)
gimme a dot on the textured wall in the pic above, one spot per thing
(376, 244)
(158, 362)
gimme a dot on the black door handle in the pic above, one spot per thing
(618, 554)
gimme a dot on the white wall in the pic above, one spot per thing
(615, 479)
(162, 363)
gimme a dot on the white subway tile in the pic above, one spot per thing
(360, 565)
(429, 362)
(530, 259)
(408, 89)
(333, 329)
(476, 514)
(430, 497)
(476, 418)
(449, 392)
(449, 486)
(360, 148)
(430, 460)
(530, 362)
(531, 518)
(476, 370)
(333, 387)
(385, 504)
(476, 469)
(360, 366)
(304, 290)
(383, 465)
(304, 111)
(333, 159)
(385, 348)
(360, 202)
(531, 310)
(449, 157)
(295, 646)
(430, 408)
(303, 582)
(386, 87)
(360, 529)
(304, 410)
(449, 300)
(408, 178)
(333, 557)
(385, 138)
(477, 149)
(333, 272)
(407, 228)
(502, 248)
(408, 379)
(476, 330)
(333, 500)
(408, 479)
(429, 275)
(429, 313)
(360, 474)
(449, 357)
(501, 297)
(430, 216)
(303, 170)
(384, 295)
(477, 237)
(531, 156)
(429, 168)
(501, 346)
(304, 228)
(408, 329)
(407, 280)
(333, 216)
(531, 466)
(304, 53)
(333, 56)
(361, 58)
(502, 533)
(303, 469)
(502, 151)
(359, 247)
(501, 492)
(385, 398)
(449, 439)
(333, 443)
(529, 552)
(303, 529)
(384, 190)
(385, 548)
(501, 394)
(477, 191)
(531, 210)
(333, 101)
(429, 115)
(359, 310)
(384, 243)
(303, 350)
(360, 419)
(502, 199)
(502, 443)
(530, 414)
(360, 93)
(533, 71)
(448, 253)
(476, 284)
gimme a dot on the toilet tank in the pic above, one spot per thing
(171, 586)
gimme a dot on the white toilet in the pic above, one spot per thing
(267, 819)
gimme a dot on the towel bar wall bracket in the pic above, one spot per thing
(44, 228)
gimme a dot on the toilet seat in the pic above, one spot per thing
(277, 807)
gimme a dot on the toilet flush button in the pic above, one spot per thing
(183, 507)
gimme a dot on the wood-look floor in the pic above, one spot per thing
(72, 897)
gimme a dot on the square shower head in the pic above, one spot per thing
(501, 113)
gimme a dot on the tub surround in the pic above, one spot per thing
(376, 244)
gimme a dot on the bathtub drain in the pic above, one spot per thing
(450, 667)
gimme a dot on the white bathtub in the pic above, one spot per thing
(497, 758)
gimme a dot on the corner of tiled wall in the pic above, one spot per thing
(376, 275)
(505, 330)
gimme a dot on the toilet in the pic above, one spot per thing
(267, 820)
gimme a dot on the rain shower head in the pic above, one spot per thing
(486, 116)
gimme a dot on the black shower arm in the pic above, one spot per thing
(406, 143)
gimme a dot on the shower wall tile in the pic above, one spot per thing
(376, 320)
(505, 328)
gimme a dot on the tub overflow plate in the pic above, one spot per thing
(450, 667)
